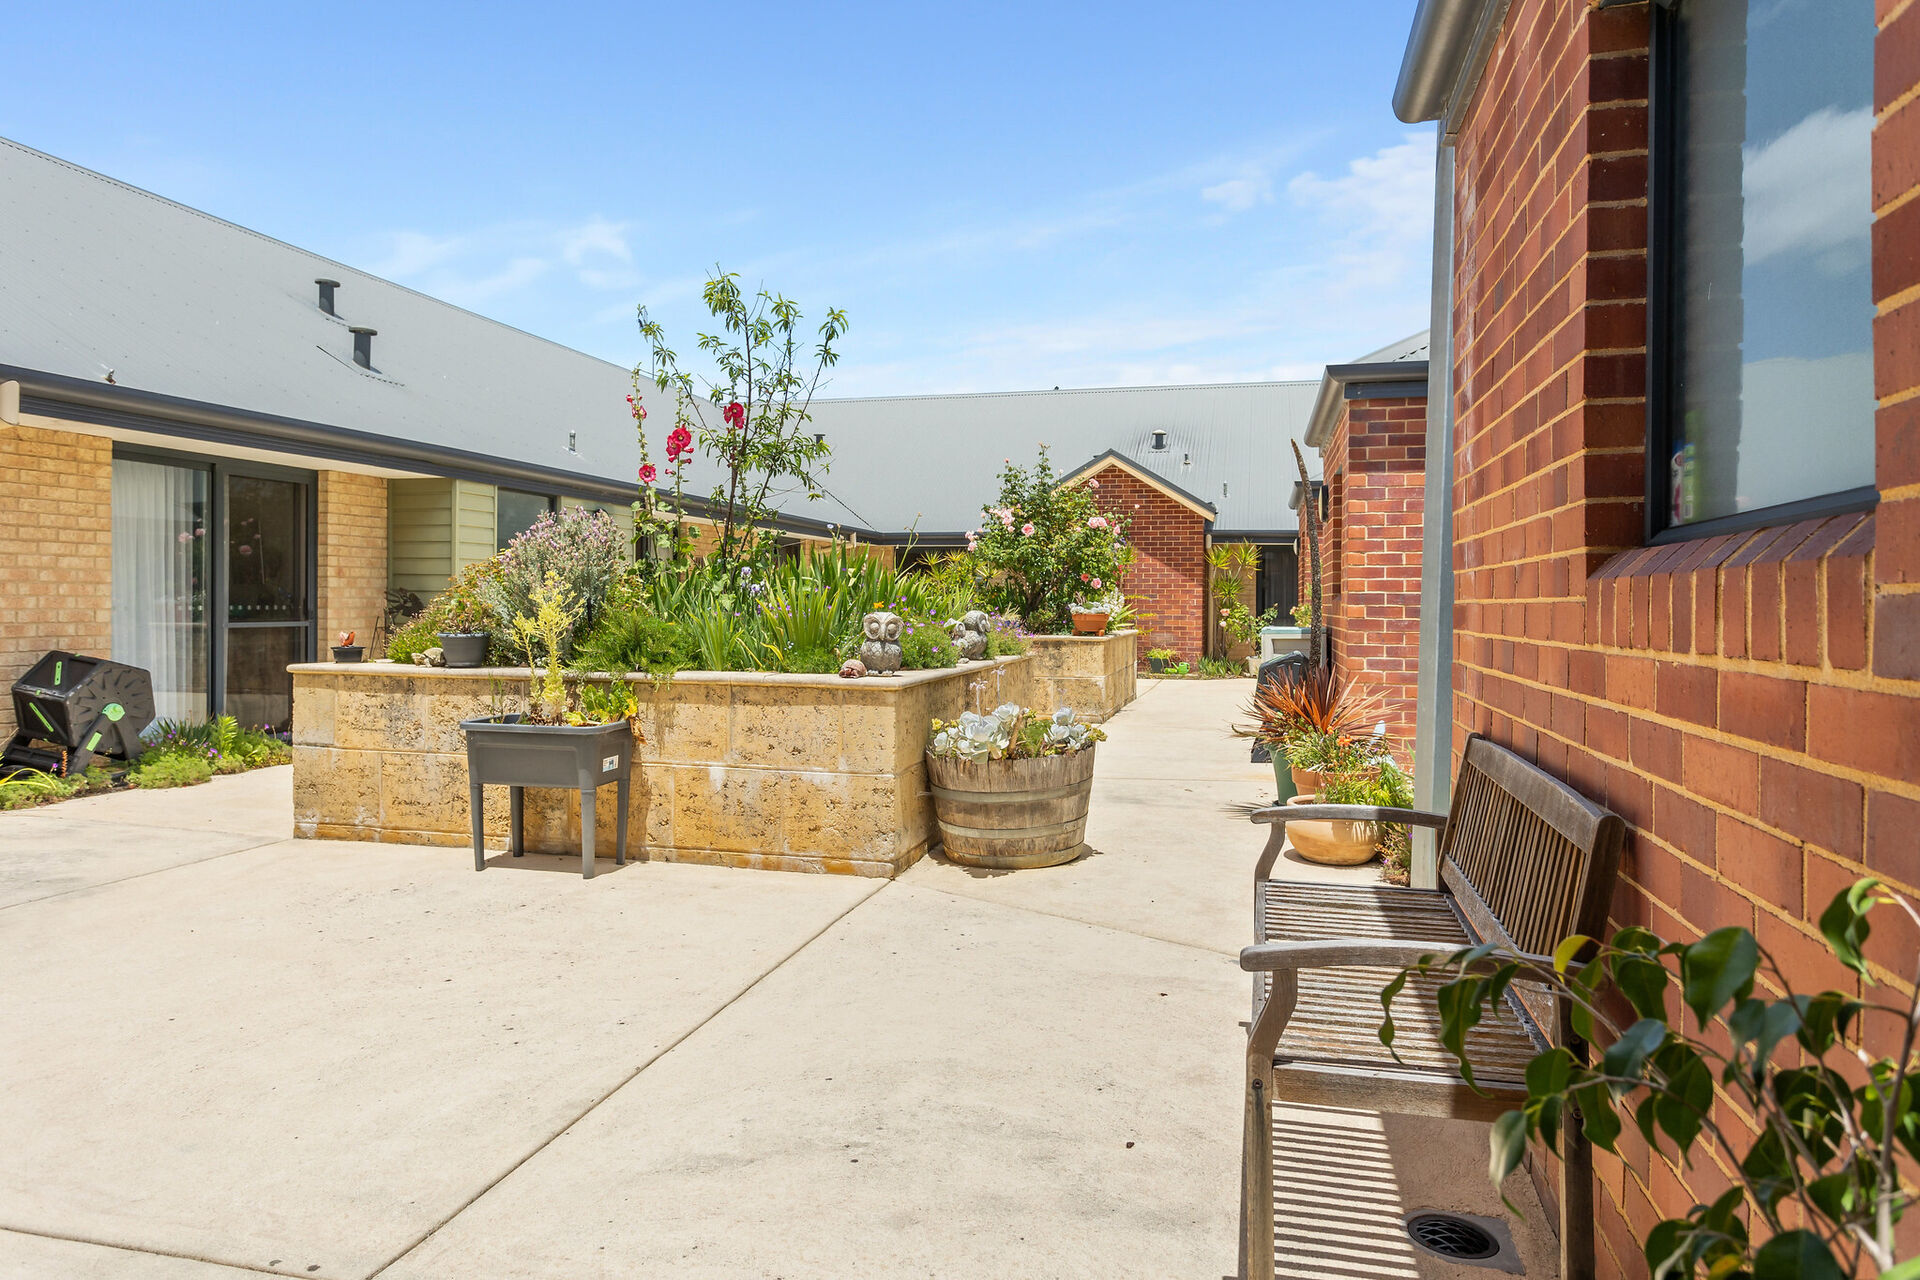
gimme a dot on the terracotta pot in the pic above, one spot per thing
(1307, 782)
(1089, 624)
(1335, 843)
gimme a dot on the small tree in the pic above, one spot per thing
(1822, 1174)
(1043, 544)
(763, 395)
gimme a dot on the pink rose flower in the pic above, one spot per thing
(1096, 584)
(1027, 529)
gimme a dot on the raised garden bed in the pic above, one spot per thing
(1094, 675)
(748, 769)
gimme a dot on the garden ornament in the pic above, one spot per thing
(970, 634)
(852, 669)
(434, 657)
(880, 651)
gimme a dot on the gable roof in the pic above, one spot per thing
(1397, 369)
(213, 331)
(1114, 458)
(929, 462)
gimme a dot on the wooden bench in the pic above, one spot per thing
(1525, 861)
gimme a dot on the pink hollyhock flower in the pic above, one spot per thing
(647, 473)
(1027, 529)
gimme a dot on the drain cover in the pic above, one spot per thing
(1451, 1236)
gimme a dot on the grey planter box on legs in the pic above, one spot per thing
(505, 750)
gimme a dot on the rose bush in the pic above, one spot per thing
(1042, 544)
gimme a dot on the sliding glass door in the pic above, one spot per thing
(269, 603)
(160, 581)
(213, 582)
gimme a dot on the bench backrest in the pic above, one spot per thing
(1529, 859)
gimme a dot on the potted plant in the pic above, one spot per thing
(1090, 617)
(579, 739)
(347, 650)
(465, 631)
(1360, 772)
(1304, 721)
(1158, 660)
(1010, 789)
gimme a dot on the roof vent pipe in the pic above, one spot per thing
(326, 295)
(1159, 441)
(362, 346)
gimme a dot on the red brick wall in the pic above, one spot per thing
(1371, 550)
(56, 549)
(1750, 704)
(1169, 575)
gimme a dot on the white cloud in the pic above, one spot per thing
(1809, 191)
(1237, 195)
(595, 236)
(470, 291)
(411, 252)
(1388, 191)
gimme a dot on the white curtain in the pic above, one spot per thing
(160, 553)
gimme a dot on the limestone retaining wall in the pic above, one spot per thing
(1092, 674)
(748, 769)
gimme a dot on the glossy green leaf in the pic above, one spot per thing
(1682, 1110)
(1796, 1255)
(1716, 969)
(1598, 1118)
(1508, 1144)
(1644, 983)
(1564, 953)
(1460, 1010)
(1387, 994)
(1626, 1057)
(1844, 924)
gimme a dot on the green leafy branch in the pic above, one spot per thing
(1824, 1170)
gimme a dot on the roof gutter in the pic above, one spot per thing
(54, 395)
(1383, 380)
(1445, 51)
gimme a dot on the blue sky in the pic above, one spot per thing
(1000, 196)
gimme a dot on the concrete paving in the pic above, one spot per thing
(228, 1052)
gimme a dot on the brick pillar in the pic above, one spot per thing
(353, 556)
(56, 548)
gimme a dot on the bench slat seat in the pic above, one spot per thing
(1337, 1020)
(1524, 862)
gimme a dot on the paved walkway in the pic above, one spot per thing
(226, 1052)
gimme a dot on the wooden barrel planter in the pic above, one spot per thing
(1007, 815)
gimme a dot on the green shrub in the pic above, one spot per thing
(1044, 544)
(584, 549)
(168, 769)
(1380, 782)
(412, 639)
(23, 787)
(926, 646)
(631, 639)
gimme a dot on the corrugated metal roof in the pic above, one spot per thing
(99, 275)
(1409, 348)
(932, 461)
(103, 276)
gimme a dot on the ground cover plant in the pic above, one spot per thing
(179, 753)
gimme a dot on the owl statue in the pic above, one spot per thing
(880, 651)
(970, 635)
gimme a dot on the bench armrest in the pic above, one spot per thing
(1379, 953)
(1284, 813)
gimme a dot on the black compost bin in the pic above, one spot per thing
(70, 708)
(1288, 666)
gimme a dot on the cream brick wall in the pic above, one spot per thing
(353, 556)
(56, 548)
